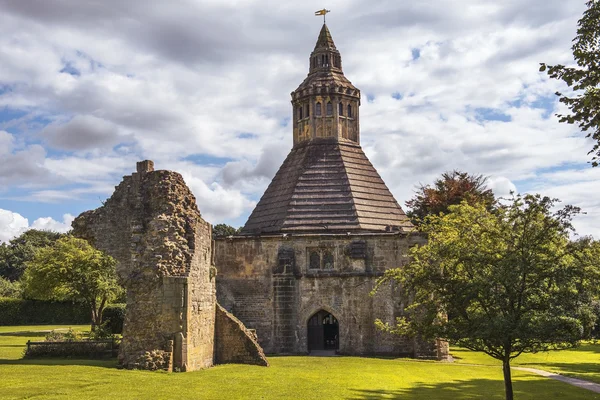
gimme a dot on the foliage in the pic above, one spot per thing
(113, 317)
(584, 79)
(10, 289)
(72, 269)
(224, 230)
(15, 255)
(59, 336)
(29, 312)
(451, 189)
(509, 282)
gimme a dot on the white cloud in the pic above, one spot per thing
(50, 224)
(12, 224)
(100, 90)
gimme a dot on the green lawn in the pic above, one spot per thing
(582, 362)
(287, 378)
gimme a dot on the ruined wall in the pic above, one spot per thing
(236, 343)
(152, 227)
(269, 284)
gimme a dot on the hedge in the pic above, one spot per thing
(37, 312)
(83, 348)
(113, 316)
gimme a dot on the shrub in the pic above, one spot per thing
(36, 312)
(68, 336)
(72, 349)
(113, 318)
(10, 289)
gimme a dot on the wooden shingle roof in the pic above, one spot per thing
(326, 186)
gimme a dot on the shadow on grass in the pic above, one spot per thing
(26, 333)
(575, 368)
(469, 389)
(103, 363)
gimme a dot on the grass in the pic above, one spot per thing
(582, 362)
(287, 378)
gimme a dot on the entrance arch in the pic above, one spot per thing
(323, 332)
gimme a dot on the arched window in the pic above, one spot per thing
(318, 110)
(341, 109)
(323, 60)
(315, 260)
(328, 260)
(300, 112)
(327, 60)
(329, 108)
(349, 111)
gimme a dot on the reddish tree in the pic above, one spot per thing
(451, 189)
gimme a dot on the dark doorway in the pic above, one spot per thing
(323, 332)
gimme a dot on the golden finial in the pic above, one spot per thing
(322, 12)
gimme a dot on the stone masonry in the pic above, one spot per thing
(270, 284)
(152, 227)
(302, 270)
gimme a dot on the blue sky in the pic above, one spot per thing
(204, 89)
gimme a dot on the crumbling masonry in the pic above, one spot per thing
(152, 227)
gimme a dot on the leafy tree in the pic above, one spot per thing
(451, 189)
(71, 269)
(223, 230)
(10, 289)
(15, 255)
(584, 79)
(504, 283)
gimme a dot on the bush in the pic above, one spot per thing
(113, 317)
(72, 349)
(10, 289)
(68, 336)
(36, 312)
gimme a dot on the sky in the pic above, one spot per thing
(202, 87)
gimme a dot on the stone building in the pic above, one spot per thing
(327, 227)
(153, 228)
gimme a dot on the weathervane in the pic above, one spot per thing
(322, 12)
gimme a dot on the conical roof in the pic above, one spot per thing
(326, 186)
(325, 41)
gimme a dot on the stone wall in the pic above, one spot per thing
(152, 227)
(236, 344)
(269, 284)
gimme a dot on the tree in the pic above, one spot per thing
(15, 255)
(224, 230)
(451, 189)
(72, 269)
(504, 283)
(584, 79)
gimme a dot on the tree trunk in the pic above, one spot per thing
(508, 389)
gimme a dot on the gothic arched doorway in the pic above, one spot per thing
(323, 332)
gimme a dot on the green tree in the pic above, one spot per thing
(20, 250)
(450, 189)
(504, 283)
(10, 289)
(224, 230)
(583, 79)
(72, 269)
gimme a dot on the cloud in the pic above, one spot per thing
(11, 225)
(87, 89)
(49, 224)
(83, 132)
